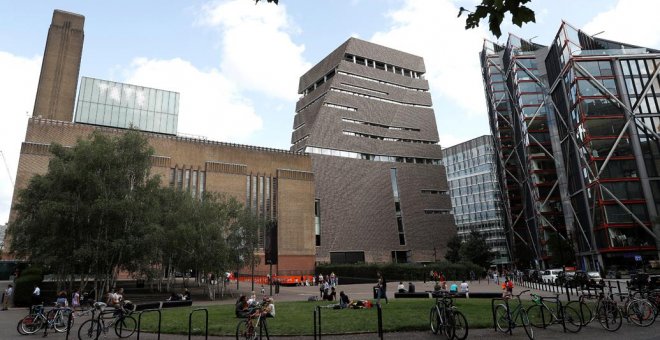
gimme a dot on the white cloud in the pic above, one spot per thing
(430, 29)
(257, 50)
(209, 103)
(18, 84)
(633, 22)
(447, 140)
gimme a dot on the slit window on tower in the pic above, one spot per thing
(317, 221)
(398, 213)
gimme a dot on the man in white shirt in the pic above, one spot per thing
(36, 295)
(8, 294)
(465, 288)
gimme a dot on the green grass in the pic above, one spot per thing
(296, 318)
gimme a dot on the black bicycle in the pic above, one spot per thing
(508, 318)
(446, 318)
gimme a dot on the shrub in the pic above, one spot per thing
(25, 285)
(366, 272)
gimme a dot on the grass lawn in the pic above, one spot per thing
(296, 318)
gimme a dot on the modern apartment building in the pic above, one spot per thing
(606, 96)
(518, 112)
(576, 127)
(476, 197)
(274, 184)
(366, 119)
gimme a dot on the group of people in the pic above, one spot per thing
(248, 308)
(185, 296)
(332, 279)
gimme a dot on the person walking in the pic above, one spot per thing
(9, 292)
(382, 288)
(36, 295)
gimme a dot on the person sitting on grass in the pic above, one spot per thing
(269, 310)
(453, 288)
(242, 307)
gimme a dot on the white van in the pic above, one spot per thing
(550, 275)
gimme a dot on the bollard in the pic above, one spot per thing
(318, 308)
(380, 321)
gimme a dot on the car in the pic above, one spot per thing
(550, 275)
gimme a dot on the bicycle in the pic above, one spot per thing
(445, 317)
(56, 318)
(124, 324)
(542, 316)
(254, 325)
(641, 312)
(604, 309)
(507, 319)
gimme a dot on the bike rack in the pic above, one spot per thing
(508, 310)
(317, 321)
(206, 322)
(560, 310)
(139, 323)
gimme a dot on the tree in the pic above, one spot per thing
(90, 213)
(476, 250)
(495, 11)
(453, 249)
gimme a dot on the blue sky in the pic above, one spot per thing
(237, 65)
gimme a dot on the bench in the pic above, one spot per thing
(163, 304)
(420, 295)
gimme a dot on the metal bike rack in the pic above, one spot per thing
(508, 311)
(317, 322)
(315, 309)
(380, 321)
(206, 322)
(140, 320)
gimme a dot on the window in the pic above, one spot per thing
(348, 257)
(400, 256)
(317, 221)
(398, 213)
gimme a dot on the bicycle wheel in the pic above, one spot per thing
(18, 327)
(245, 330)
(584, 310)
(60, 323)
(539, 316)
(434, 320)
(32, 323)
(89, 329)
(447, 323)
(460, 326)
(524, 321)
(641, 313)
(125, 326)
(609, 316)
(572, 319)
(502, 318)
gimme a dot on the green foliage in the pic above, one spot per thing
(366, 272)
(495, 11)
(453, 249)
(98, 211)
(25, 285)
(476, 250)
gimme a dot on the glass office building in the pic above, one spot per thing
(475, 193)
(107, 103)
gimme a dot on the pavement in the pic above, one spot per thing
(10, 318)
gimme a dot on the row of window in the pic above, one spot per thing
(381, 82)
(382, 66)
(389, 127)
(364, 89)
(389, 139)
(319, 82)
(434, 192)
(372, 157)
(437, 211)
(397, 206)
(301, 139)
(377, 98)
(340, 107)
(189, 179)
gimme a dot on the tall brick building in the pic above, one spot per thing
(276, 184)
(365, 116)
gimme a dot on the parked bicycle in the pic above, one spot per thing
(542, 315)
(507, 318)
(639, 311)
(598, 306)
(446, 319)
(56, 318)
(122, 321)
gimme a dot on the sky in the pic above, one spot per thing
(236, 65)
